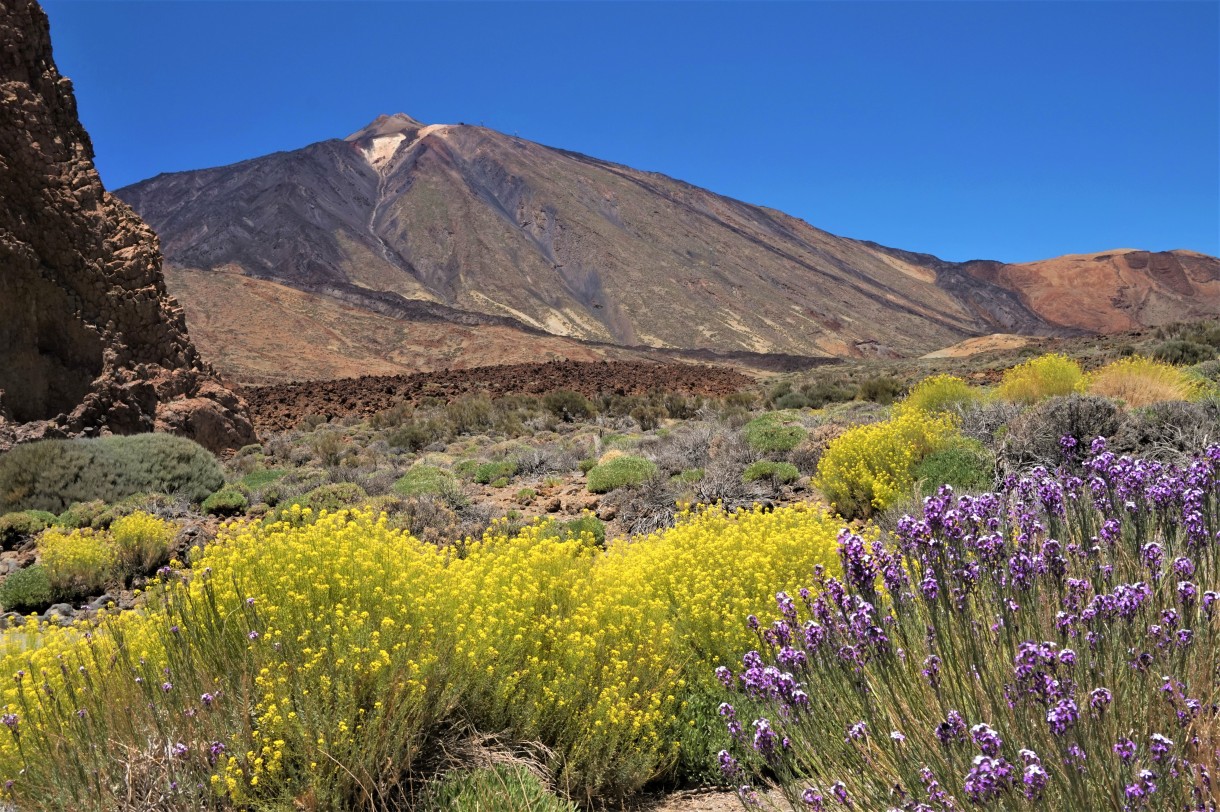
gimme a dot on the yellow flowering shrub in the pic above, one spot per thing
(871, 467)
(141, 542)
(77, 563)
(1042, 377)
(938, 393)
(314, 657)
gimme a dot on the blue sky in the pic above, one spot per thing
(1003, 130)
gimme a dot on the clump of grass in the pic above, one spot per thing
(619, 472)
(26, 590)
(488, 472)
(769, 434)
(781, 472)
(964, 464)
(1139, 381)
(423, 478)
(503, 788)
(227, 501)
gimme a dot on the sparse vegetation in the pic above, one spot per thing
(619, 472)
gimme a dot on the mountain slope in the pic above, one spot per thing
(485, 223)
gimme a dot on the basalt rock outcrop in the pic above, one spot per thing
(90, 341)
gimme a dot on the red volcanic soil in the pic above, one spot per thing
(282, 406)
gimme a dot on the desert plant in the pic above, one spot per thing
(26, 590)
(21, 525)
(503, 788)
(416, 435)
(940, 394)
(963, 464)
(1046, 376)
(870, 467)
(141, 543)
(1168, 431)
(1178, 352)
(769, 434)
(78, 563)
(1139, 381)
(1035, 437)
(881, 389)
(226, 502)
(422, 478)
(568, 405)
(52, 474)
(619, 472)
(781, 472)
(489, 472)
(334, 496)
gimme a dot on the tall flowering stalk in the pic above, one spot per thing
(1051, 646)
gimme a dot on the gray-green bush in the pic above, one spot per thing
(53, 474)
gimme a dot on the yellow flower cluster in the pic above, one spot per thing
(1042, 377)
(871, 467)
(81, 561)
(313, 657)
(938, 393)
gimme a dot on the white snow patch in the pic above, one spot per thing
(381, 149)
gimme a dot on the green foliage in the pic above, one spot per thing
(503, 788)
(939, 393)
(470, 415)
(226, 502)
(690, 476)
(568, 405)
(261, 478)
(1042, 377)
(52, 474)
(16, 527)
(964, 464)
(620, 472)
(333, 497)
(94, 514)
(575, 529)
(587, 465)
(416, 435)
(823, 392)
(1178, 351)
(525, 495)
(489, 472)
(465, 469)
(882, 389)
(782, 472)
(422, 479)
(792, 400)
(26, 590)
(768, 435)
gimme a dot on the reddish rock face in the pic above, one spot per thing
(90, 342)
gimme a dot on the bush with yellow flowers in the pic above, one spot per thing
(1042, 377)
(312, 661)
(79, 562)
(939, 394)
(870, 467)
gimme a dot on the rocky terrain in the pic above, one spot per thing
(282, 406)
(90, 340)
(438, 232)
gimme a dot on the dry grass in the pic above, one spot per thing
(1139, 381)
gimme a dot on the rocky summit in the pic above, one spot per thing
(90, 341)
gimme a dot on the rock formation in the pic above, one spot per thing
(90, 341)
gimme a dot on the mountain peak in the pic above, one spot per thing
(396, 124)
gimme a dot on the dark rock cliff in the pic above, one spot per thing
(90, 341)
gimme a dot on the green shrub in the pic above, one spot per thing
(53, 474)
(141, 542)
(768, 435)
(261, 478)
(16, 527)
(333, 497)
(882, 389)
(1046, 376)
(503, 788)
(619, 473)
(587, 465)
(964, 464)
(78, 563)
(26, 590)
(820, 393)
(226, 502)
(792, 400)
(690, 476)
(465, 469)
(424, 479)
(470, 415)
(416, 435)
(568, 405)
(84, 514)
(488, 472)
(1178, 351)
(782, 472)
(939, 393)
(525, 495)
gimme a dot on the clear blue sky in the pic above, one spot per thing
(1005, 130)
